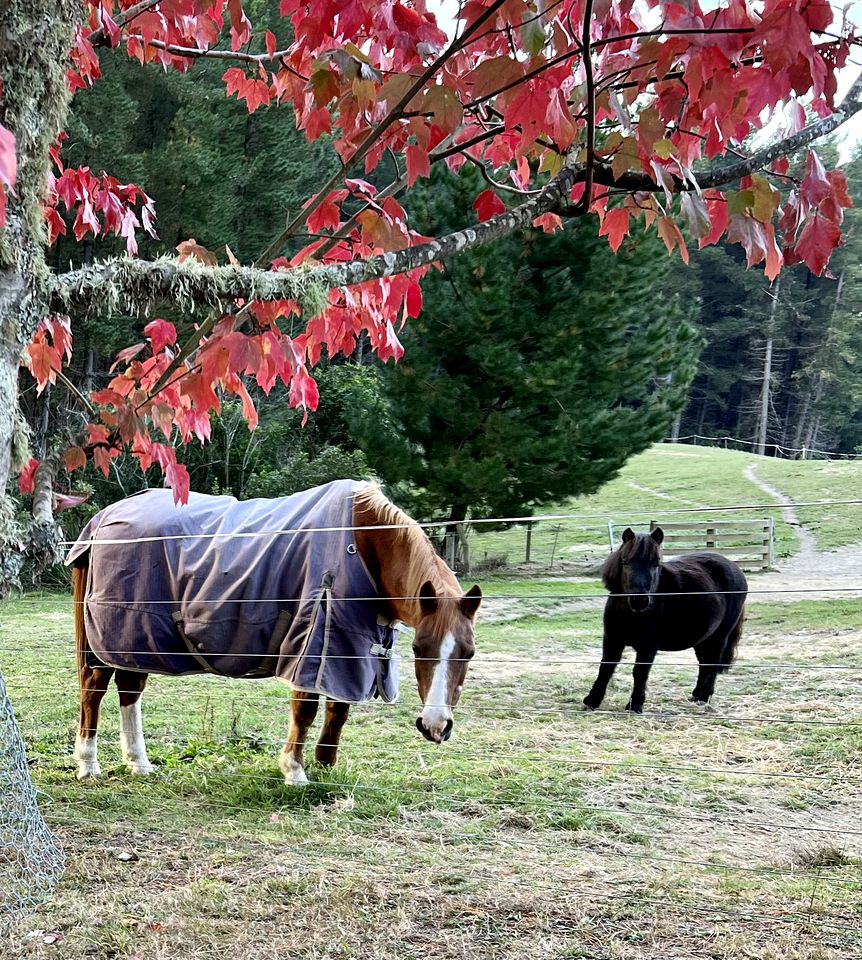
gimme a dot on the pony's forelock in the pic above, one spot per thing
(641, 545)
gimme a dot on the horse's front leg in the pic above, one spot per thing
(612, 653)
(303, 710)
(330, 736)
(640, 673)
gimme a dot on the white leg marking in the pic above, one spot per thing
(437, 712)
(132, 739)
(86, 753)
(294, 775)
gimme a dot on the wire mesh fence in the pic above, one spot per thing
(31, 860)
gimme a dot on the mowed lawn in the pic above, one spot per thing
(537, 831)
(674, 477)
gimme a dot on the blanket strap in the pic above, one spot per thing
(194, 649)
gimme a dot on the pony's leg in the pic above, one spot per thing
(708, 655)
(330, 735)
(303, 710)
(612, 653)
(130, 686)
(94, 685)
(640, 674)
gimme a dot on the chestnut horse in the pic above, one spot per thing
(414, 586)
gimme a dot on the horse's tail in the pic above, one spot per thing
(728, 654)
(79, 591)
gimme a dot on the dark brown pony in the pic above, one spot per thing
(425, 595)
(696, 600)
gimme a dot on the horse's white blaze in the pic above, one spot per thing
(437, 711)
(86, 753)
(132, 739)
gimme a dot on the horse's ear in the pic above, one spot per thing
(628, 534)
(471, 601)
(658, 535)
(427, 599)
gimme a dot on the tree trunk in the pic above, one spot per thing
(763, 419)
(34, 43)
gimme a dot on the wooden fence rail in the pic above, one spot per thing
(751, 543)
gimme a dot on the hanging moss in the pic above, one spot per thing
(138, 287)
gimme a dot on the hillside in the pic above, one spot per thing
(670, 478)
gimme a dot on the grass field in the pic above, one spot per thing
(671, 477)
(821, 480)
(538, 831)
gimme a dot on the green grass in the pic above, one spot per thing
(650, 486)
(595, 835)
(808, 480)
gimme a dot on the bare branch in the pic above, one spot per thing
(213, 53)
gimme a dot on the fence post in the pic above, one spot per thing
(528, 557)
(450, 549)
(611, 535)
(771, 551)
(557, 530)
(710, 538)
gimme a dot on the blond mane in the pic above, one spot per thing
(418, 561)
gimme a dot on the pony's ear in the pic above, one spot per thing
(427, 599)
(658, 535)
(628, 534)
(471, 601)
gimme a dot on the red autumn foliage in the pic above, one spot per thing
(676, 85)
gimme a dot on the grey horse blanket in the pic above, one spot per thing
(238, 588)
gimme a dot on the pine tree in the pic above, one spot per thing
(531, 374)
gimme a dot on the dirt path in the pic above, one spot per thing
(809, 569)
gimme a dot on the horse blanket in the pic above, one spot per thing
(238, 588)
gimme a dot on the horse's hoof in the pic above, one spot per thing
(632, 709)
(141, 769)
(294, 775)
(589, 705)
(88, 771)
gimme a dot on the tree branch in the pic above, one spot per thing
(213, 53)
(374, 134)
(138, 286)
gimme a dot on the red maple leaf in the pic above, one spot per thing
(488, 205)
(818, 239)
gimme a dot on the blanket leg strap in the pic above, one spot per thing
(194, 649)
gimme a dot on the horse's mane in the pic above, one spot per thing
(420, 560)
(642, 545)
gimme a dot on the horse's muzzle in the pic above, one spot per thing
(435, 736)
(640, 603)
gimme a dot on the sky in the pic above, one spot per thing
(849, 135)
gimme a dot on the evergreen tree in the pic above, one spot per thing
(531, 373)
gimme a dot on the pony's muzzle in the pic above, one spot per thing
(640, 603)
(435, 734)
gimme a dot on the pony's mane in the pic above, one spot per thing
(421, 557)
(642, 545)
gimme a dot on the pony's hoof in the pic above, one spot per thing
(589, 705)
(701, 704)
(88, 770)
(633, 709)
(294, 775)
